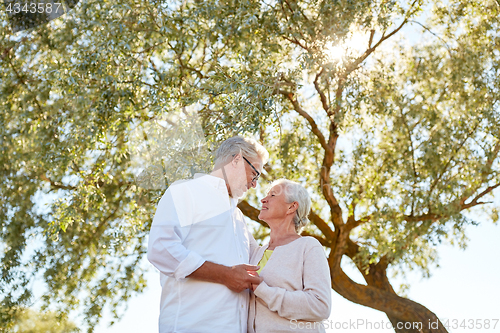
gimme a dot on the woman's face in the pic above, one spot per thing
(274, 205)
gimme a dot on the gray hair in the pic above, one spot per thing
(296, 192)
(249, 148)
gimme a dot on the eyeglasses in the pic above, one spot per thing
(254, 179)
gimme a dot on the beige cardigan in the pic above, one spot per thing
(296, 293)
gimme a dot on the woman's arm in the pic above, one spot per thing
(313, 303)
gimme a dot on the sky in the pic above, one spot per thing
(464, 287)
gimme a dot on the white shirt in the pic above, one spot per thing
(197, 221)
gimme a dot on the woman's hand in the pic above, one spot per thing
(255, 285)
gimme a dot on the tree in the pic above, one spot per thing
(395, 141)
(31, 321)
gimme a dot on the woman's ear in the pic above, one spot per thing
(293, 207)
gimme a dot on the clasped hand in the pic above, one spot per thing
(243, 277)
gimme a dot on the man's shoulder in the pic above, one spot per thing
(184, 181)
(179, 190)
(184, 184)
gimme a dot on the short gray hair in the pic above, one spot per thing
(250, 149)
(296, 192)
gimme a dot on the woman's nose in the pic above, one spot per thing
(264, 200)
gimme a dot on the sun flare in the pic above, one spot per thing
(352, 45)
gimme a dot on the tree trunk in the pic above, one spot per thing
(405, 315)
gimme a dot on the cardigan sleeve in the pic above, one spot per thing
(313, 303)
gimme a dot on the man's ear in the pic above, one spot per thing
(236, 159)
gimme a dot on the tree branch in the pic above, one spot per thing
(382, 300)
(296, 42)
(300, 10)
(411, 143)
(475, 201)
(432, 216)
(353, 66)
(492, 158)
(322, 226)
(372, 33)
(355, 223)
(19, 77)
(323, 241)
(430, 31)
(314, 127)
(436, 181)
(56, 185)
(322, 96)
(484, 173)
(251, 212)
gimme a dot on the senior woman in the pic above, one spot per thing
(295, 294)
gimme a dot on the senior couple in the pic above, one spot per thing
(214, 276)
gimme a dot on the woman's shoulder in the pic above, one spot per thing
(314, 251)
(304, 244)
(310, 241)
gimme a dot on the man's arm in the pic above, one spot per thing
(165, 249)
(237, 278)
(168, 254)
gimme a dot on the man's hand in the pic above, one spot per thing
(236, 278)
(241, 277)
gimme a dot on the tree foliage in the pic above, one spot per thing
(395, 140)
(32, 321)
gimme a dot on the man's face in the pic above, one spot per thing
(245, 176)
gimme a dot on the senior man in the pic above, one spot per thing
(200, 243)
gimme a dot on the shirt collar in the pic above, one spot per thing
(216, 182)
